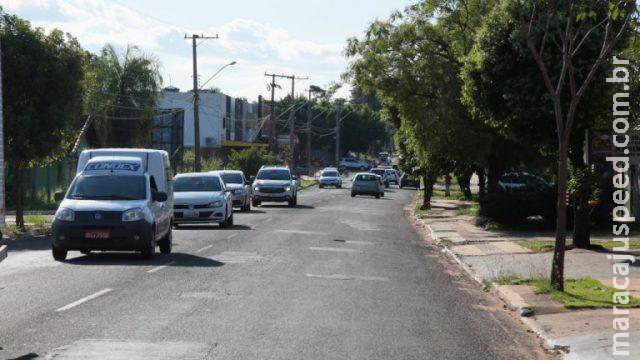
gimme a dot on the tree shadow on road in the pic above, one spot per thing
(135, 259)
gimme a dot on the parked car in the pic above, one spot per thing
(353, 164)
(240, 188)
(330, 177)
(409, 180)
(275, 184)
(367, 184)
(120, 199)
(383, 175)
(393, 176)
(201, 198)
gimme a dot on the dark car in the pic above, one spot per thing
(408, 180)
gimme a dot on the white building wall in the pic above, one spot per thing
(212, 112)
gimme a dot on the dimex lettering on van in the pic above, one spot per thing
(113, 166)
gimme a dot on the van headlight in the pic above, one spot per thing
(215, 204)
(257, 188)
(288, 188)
(133, 215)
(64, 214)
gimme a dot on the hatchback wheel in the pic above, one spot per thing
(166, 243)
(59, 254)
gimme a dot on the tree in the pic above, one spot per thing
(569, 25)
(42, 78)
(121, 95)
(250, 160)
(208, 163)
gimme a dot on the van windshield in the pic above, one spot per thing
(197, 184)
(109, 187)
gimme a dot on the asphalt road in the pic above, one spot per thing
(335, 278)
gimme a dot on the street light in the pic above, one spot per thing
(216, 73)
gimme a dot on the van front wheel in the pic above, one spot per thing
(150, 250)
(59, 254)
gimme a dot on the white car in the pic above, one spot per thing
(235, 181)
(275, 184)
(330, 177)
(393, 177)
(201, 198)
(354, 164)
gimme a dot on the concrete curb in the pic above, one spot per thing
(547, 340)
(3, 252)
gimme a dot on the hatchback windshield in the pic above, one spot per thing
(109, 187)
(330, 174)
(196, 183)
(378, 171)
(232, 178)
(273, 175)
(366, 177)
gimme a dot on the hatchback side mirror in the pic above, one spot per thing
(294, 177)
(161, 197)
(58, 196)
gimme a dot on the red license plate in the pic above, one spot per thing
(96, 234)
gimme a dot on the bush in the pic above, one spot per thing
(206, 163)
(250, 160)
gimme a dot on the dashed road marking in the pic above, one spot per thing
(156, 269)
(204, 248)
(236, 257)
(356, 242)
(335, 249)
(232, 236)
(347, 277)
(94, 349)
(84, 300)
(301, 232)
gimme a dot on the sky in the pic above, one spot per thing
(301, 37)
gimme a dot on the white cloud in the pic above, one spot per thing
(256, 46)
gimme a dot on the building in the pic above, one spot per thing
(225, 122)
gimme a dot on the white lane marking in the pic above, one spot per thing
(265, 220)
(236, 257)
(84, 299)
(156, 269)
(232, 236)
(335, 249)
(98, 349)
(356, 242)
(347, 277)
(204, 248)
(301, 232)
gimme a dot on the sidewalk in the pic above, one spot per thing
(489, 255)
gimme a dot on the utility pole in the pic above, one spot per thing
(309, 135)
(196, 98)
(340, 102)
(272, 113)
(2, 195)
(292, 124)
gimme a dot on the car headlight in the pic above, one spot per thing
(256, 188)
(288, 188)
(133, 215)
(215, 204)
(64, 214)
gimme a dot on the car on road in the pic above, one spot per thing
(367, 184)
(235, 181)
(350, 163)
(382, 173)
(330, 177)
(201, 198)
(408, 180)
(274, 184)
(384, 157)
(393, 176)
(120, 200)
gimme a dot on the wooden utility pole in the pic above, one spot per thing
(340, 102)
(309, 135)
(272, 113)
(2, 172)
(196, 98)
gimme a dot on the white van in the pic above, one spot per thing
(120, 199)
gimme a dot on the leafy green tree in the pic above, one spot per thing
(121, 95)
(42, 79)
(250, 160)
(207, 163)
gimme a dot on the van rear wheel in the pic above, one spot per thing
(59, 254)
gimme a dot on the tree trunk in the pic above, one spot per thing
(494, 174)
(481, 183)
(581, 207)
(428, 191)
(18, 194)
(557, 266)
(464, 182)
